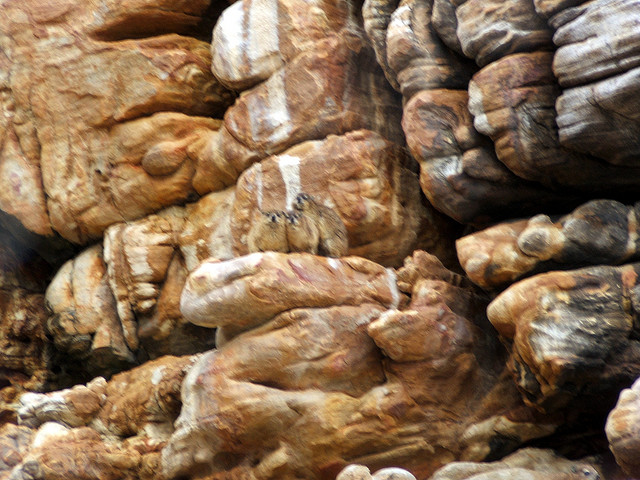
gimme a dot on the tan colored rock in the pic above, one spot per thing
(525, 464)
(548, 8)
(329, 372)
(111, 430)
(58, 452)
(623, 430)
(123, 136)
(360, 472)
(459, 172)
(254, 38)
(206, 231)
(571, 336)
(84, 323)
(332, 89)
(238, 294)
(598, 232)
(490, 30)
(367, 180)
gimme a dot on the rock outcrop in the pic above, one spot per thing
(153, 327)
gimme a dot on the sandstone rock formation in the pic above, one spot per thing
(141, 141)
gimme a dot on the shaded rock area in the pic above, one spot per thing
(318, 240)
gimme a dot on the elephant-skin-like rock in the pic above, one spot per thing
(598, 232)
(416, 54)
(597, 61)
(490, 30)
(525, 464)
(572, 336)
(367, 180)
(623, 430)
(459, 172)
(122, 138)
(327, 368)
(513, 101)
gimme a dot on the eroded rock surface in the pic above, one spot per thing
(339, 352)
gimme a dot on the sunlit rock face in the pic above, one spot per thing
(346, 360)
(150, 328)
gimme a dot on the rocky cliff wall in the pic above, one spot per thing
(319, 239)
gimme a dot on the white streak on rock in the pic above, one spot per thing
(290, 170)
(393, 287)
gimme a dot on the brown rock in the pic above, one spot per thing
(623, 432)
(121, 139)
(332, 89)
(58, 452)
(328, 373)
(364, 178)
(459, 172)
(254, 38)
(548, 8)
(513, 102)
(238, 294)
(598, 232)
(525, 464)
(552, 322)
(416, 54)
(491, 29)
(376, 16)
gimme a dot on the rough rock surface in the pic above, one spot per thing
(525, 464)
(142, 142)
(598, 232)
(124, 133)
(331, 350)
(552, 321)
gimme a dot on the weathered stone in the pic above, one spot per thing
(376, 16)
(360, 472)
(207, 229)
(416, 54)
(598, 62)
(623, 430)
(333, 89)
(120, 140)
(238, 294)
(491, 29)
(254, 38)
(84, 323)
(14, 442)
(525, 464)
(367, 180)
(111, 430)
(598, 232)
(572, 336)
(548, 8)
(513, 102)
(326, 359)
(459, 172)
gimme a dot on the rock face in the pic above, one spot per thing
(171, 309)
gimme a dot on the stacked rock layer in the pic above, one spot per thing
(293, 239)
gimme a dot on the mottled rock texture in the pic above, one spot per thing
(151, 329)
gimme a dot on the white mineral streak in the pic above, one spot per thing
(290, 171)
(393, 287)
(274, 122)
